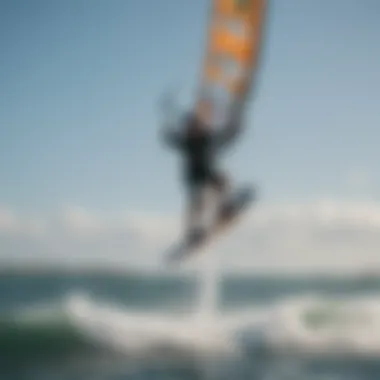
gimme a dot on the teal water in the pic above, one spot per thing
(104, 326)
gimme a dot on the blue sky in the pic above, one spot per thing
(80, 80)
(79, 86)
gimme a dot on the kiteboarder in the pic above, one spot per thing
(200, 143)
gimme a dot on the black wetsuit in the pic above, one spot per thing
(199, 151)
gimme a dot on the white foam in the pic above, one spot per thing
(311, 325)
(208, 284)
(326, 326)
(143, 332)
(305, 326)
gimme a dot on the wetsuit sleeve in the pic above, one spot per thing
(168, 132)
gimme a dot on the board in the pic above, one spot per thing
(232, 208)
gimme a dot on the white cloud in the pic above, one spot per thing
(81, 221)
(326, 235)
(15, 225)
(8, 220)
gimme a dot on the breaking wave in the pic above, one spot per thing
(312, 326)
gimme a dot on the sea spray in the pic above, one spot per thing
(209, 284)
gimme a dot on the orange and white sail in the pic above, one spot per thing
(232, 52)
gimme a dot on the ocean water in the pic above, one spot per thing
(97, 326)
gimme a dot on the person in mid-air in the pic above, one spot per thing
(199, 145)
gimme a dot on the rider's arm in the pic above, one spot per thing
(168, 132)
